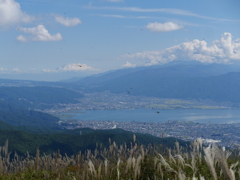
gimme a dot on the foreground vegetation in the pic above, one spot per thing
(134, 162)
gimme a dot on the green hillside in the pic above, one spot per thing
(71, 142)
(22, 117)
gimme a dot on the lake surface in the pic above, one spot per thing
(144, 115)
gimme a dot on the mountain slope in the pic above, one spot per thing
(177, 81)
(38, 97)
(25, 119)
(172, 69)
(41, 94)
(71, 142)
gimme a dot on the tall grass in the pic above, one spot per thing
(118, 162)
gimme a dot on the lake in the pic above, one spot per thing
(145, 115)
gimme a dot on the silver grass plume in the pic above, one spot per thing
(198, 144)
(171, 158)
(129, 163)
(209, 158)
(177, 147)
(6, 148)
(222, 158)
(1, 165)
(118, 171)
(142, 151)
(180, 159)
(193, 162)
(92, 168)
(137, 168)
(167, 166)
(99, 172)
(181, 175)
(134, 138)
(233, 166)
(37, 160)
(133, 162)
(106, 166)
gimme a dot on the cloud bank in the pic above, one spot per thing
(223, 50)
(68, 21)
(39, 33)
(11, 13)
(163, 27)
(3, 69)
(129, 65)
(16, 70)
(71, 67)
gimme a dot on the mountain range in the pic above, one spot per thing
(28, 129)
(182, 80)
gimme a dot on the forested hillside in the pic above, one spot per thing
(71, 142)
(25, 118)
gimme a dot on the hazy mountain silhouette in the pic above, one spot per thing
(188, 80)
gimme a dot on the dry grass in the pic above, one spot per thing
(121, 162)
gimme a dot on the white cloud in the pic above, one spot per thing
(49, 70)
(39, 33)
(162, 10)
(16, 70)
(163, 27)
(75, 67)
(11, 13)
(222, 50)
(3, 69)
(129, 65)
(68, 21)
(71, 67)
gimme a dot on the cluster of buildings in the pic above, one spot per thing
(223, 134)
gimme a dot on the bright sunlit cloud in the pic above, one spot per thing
(129, 65)
(71, 67)
(39, 33)
(163, 27)
(222, 50)
(11, 13)
(68, 21)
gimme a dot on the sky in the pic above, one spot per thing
(51, 40)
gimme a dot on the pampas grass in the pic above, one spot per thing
(120, 162)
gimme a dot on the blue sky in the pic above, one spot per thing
(53, 40)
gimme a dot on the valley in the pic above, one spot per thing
(107, 101)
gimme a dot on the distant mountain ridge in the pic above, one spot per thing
(182, 68)
(38, 96)
(192, 80)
